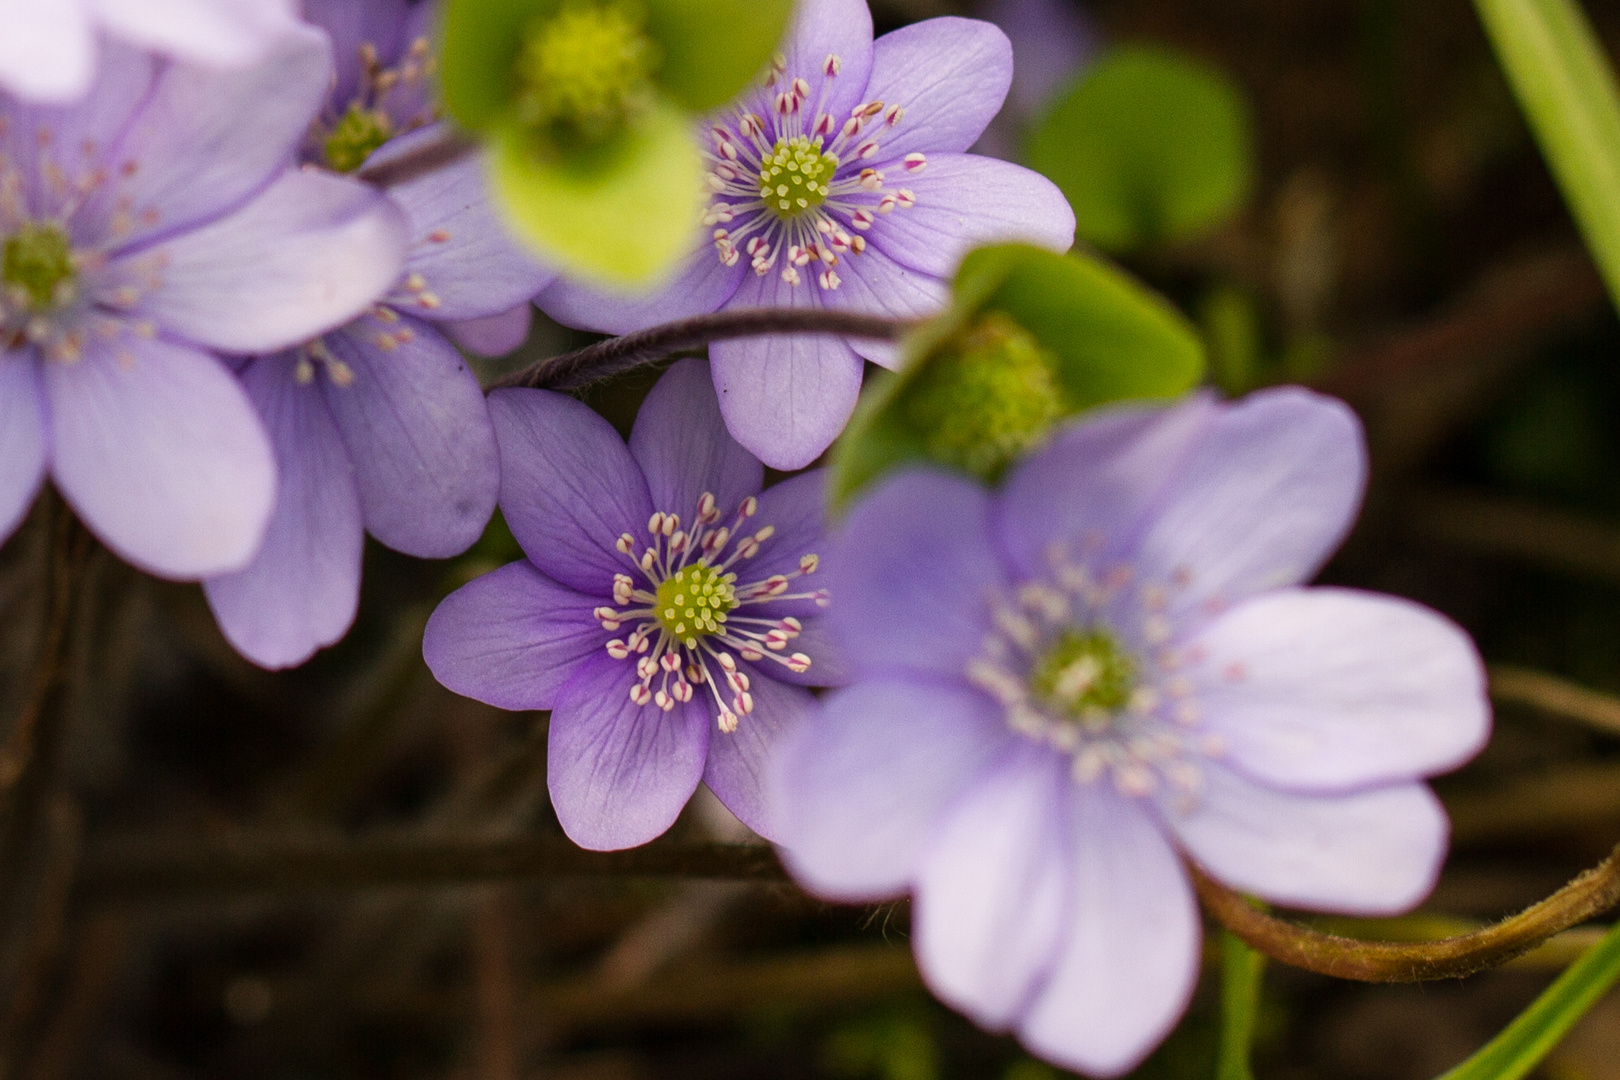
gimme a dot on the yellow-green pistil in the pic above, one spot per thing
(354, 137)
(989, 397)
(1084, 675)
(695, 601)
(584, 71)
(793, 177)
(37, 266)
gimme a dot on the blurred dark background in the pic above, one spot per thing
(1403, 246)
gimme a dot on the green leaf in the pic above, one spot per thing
(1566, 87)
(712, 49)
(478, 50)
(1241, 971)
(621, 214)
(1148, 146)
(1520, 1046)
(1108, 337)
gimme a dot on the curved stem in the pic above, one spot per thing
(617, 355)
(447, 149)
(1592, 893)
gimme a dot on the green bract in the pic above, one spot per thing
(1031, 336)
(588, 104)
(1148, 146)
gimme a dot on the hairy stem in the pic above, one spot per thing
(1592, 893)
(617, 355)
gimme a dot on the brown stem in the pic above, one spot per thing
(1592, 893)
(617, 355)
(271, 863)
(447, 149)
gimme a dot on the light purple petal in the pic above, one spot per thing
(950, 75)
(875, 283)
(857, 790)
(738, 760)
(511, 638)
(703, 284)
(911, 569)
(841, 28)
(379, 23)
(308, 255)
(1375, 852)
(963, 201)
(467, 262)
(828, 667)
(22, 437)
(785, 398)
(161, 453)
(1130, 956)
(1329, 689)
(208, 138)
(302, 589)
(1265, 497)
(992, 889)
(569, 487)
(493, 335)
(48, 50)
(797, 509)
(684, 450)
(1095, 485)
(420, 437)
(620, 773)
(216, 32)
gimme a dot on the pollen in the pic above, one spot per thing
(694, 602)
(1084, 675)
(584, 71)
(794, 176)
(36, 267)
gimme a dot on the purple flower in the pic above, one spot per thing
(1065, 687)
(380, 426)
(48, 50)
(150, 223)
(660, 613)
(842, 183)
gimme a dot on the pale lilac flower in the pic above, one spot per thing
(380, 426)
(842, 183)
(661, 615)
(48, 48)
(1064, 688)
(149, 224)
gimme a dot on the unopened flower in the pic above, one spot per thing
(140, 228)
(1065, 688)
(48, 47)
(380, 426)
(841, 183)
(666, 614)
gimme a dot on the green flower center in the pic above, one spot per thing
(355, 136)
(694, 602)
(793, 177)
(1084, 675)
(990, 397)
(584, 71)
(37, 266)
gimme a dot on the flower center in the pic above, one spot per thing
(989, 398)
(690, 614)
(37, 267)
(584, 71)
(793, 177)
(354, 137)
(694, 602)
(1084, 674)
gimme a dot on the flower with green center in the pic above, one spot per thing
(694, 602)
(988, 398)
(355, 136)
(1083, 674)
(793, 176)
(584, 72)
(37, 267)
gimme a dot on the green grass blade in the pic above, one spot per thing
(1241, 971)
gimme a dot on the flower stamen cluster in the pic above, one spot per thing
(791, 188)
(369, 119)
(682, 597)
(584, 72)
